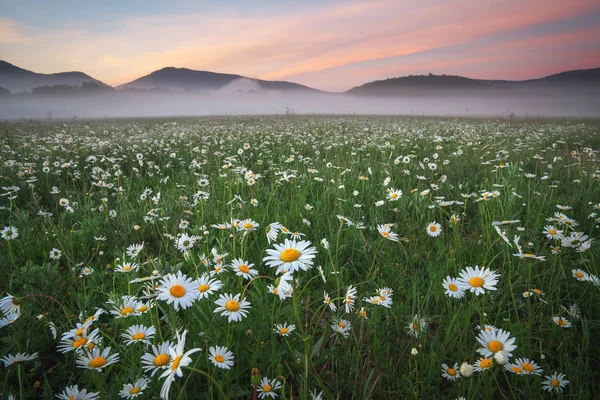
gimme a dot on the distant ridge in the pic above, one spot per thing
(18, 79)
(414, 83)
(184, 79)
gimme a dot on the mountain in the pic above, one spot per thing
(18, 79)
(585, 78)
(184, 79)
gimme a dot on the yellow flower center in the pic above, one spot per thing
(127, 268)
(432, 228)
(248, 225)
(79, 332)
(495, 346)
(451, 371)
(127, 310)
(516, 370)
(385, 234)
(219, 358)
(79, 342)
(143, 308)
(177, 291)
(232, 305)
(244, 268)
(90, 319)
(203, 288)
(139, 336)
(342, 325)
(289, 255)
(98, 362)
(283, 330)
(161, 360)
(579, 274)
(453, 287)
(267, 388)
(562, 321)
(135, 390)
(555, 383)
(552, 232)
(528, 367)
(176, 362)
(394, 195)
(485, 363)
(415, 326)
(476, 281)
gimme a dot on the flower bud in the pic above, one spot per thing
(466, 370)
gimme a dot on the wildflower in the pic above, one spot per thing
(9, 233)
(555, 382)
(134, 250)
(342, 326)
(562, 322)
(158, 360)
(18, 358)
(454, 288)
(205, 286)
(131, 391)
(73, 393)
(178, 359)
(482, 364)
(494, 342)
(95, 359)
(552, 232)
(284, 330)
(434, 229)
(350, 299)
(291, 256)
(524, 366)
(10, 305)
(221, 357)
(232, 307)
(139, 333)
(477, 279)
(393, 194)
(417, 327)
(125, 307)
(384, 230)
(327, 300)
(267, 388)
(177, 289)
(466, 370)
(450, 373)
(273, 231)
(78, 340)
(127, 267)
(243, 268)
(55, 254)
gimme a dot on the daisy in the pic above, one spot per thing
(273, 231)
(79, 341)
(134, 250)
(552, 233)
(393, 194)
(247, 225)
(178, 359)
(96, 359)
(417, 327)
(55, 254)
(127, 267)
(555, 382)
(477, 279)
(18, 358)
(186, 242)
(9, 319)
(524, 366)
(10, 305)
(384, 230)
(221, 357)
(327, 300)
(158, 360)
(9, 233)
(243, 268)
(267, 387)
(350, 299)
(562, 322)
(177, 289)
(482, 364)
(205, 286)
(450, 373)
(454, 288)
(139, 333)
(126, 307)
(434, 229)
(342, 326)
(73, 393)
(580, 275)
(291, 256)
(131, 391)
(232, 307)
(284, 330)
(494, 342)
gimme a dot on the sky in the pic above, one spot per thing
(329, 45)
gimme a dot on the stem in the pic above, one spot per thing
(210, 378)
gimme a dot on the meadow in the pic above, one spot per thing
(300, 257)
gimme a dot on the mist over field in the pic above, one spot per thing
(448, 102)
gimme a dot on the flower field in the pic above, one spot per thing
(300, 258)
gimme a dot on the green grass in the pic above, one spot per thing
(375, 361)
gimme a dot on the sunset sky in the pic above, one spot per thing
(330, 45)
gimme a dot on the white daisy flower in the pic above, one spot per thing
(139, 333)
(450, 373)
(477, 279)
(284, 329)
(291, 256)
(179, 359)
(177, 289)
(158, 360)
(243, 268)
(434, 229)
(454, 288)
(232, 307)
(495, 341)
(96, 359)
(555, 382)
(205, 286)
(73, 393)
(221, 357)
(133, 390)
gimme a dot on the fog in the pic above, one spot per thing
(243, 99)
